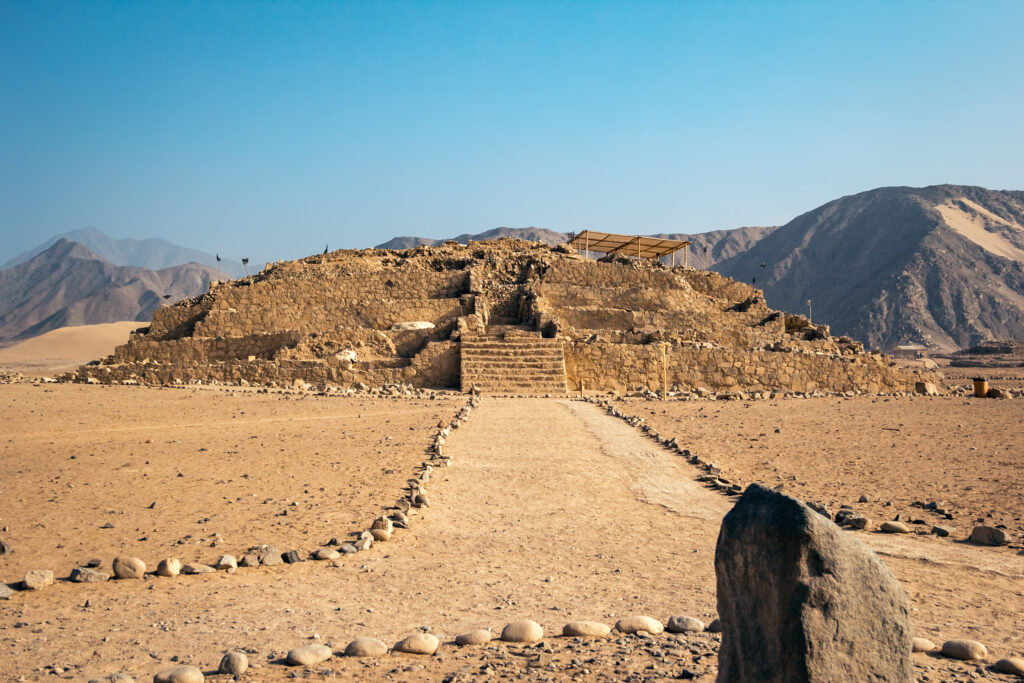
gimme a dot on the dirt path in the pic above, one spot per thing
(551, 511)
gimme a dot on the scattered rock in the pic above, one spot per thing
(196, 568)
(1010, 665)
(380, 534)
(129, 568)
(684, 625)
(169, 567)
(525, 631)
(635, 623)
(227, 562)
(37, 579)
(895, 528)
(5, 591)
(940, 531)
(480, 636)
(348, 548)
(366, 647)
(249, 560)
(5, 547)
(326, 554)
(586, 629)
(858, 522)
(234, 664)
(828, 609)
(308, 655)
(989, 535)
(180, 674)
(418, 644)
(86, 575)
(922, 645)
(964, 649)
(292, 556)
(420, 500)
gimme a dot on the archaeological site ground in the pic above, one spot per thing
(346, 467)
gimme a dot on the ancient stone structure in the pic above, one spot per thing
(504, 316)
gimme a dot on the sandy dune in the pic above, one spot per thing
(66, 348)
(974, 228)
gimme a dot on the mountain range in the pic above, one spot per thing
(67, 284)
(942, 266)
(151, 254)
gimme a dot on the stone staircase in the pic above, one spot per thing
(513, 360)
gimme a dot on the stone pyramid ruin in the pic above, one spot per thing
(505, 316)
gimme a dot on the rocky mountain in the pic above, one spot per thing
(67, 284)
(940, 265)
(152, 254)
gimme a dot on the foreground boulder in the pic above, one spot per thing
(801, 601)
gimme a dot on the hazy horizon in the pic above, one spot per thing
(269, 130)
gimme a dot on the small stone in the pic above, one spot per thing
(420, 500)
(365, 542)
(168, 567)
(180, 674)
(196, 568)
(5, 547)
(989, 535)
(715, 626)
(380, 534)
(349, 549)
(366, 647)
(480, 636)
(922, 645)
(292, 556)
(940, 531)
(308, 655)
(249, 560)
(895, 528)
(858, 522)
(684, 625)
(129, 568)
(38, 579)
(637, 623)
(383, 523)
(1010, 665)
(326, 554)
(418, 644)
(86, 575)
(862, 499)
(234, 664)
(586, 629)
(964, 649)
(524, 631)
(5, 591)
(227, 562)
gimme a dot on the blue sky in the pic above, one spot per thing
(268, 129)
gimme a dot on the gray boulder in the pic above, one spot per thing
(801, 601)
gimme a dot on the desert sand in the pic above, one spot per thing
(65, 348)
(552, 510)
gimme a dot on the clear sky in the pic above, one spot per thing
(269, 129)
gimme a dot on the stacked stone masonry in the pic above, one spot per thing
(503, 316)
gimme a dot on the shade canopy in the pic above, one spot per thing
(629, 245)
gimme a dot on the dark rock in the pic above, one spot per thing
(291, 557)
(5, 547)
(801, 601)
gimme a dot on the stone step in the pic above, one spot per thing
(513, 359)
(532, 367)
(517, 343)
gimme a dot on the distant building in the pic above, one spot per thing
(910, 351)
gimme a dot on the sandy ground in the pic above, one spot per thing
(974, 228)
(551, 510)
(966, 454)
(65, 348)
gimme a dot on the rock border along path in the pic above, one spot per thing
(261, 556)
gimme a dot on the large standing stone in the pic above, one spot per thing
(801, 601)
(129, 568)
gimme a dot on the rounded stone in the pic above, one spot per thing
(684, 625)
(366, 647)
(326, 554)
(169, 567)
(586, 629)
(380, 534)
(525, 631)
(37, 579)
(895, 528)
(129, 568)
(418, 644)
(180, 674)
(1010, 665)
(480, 636)
(964, 649)
(308, 655)
(233, 663)
(922, 645)
(636, 623)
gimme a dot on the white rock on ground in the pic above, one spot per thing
(635, 623)
(586, 629)
(480, 636)
(418, 644)
(366, 647)
(308, 655)
(37, 579)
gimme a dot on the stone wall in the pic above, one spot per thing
(191, 350)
